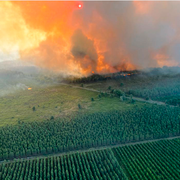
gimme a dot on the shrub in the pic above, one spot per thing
(79, 106)
(52, 117)
(109, 88)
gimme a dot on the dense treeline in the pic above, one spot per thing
(59, 135)
(157, 90)
(102, 77)
(153, 85)
(93, 165)
(155, 160)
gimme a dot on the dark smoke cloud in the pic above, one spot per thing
(83, 49)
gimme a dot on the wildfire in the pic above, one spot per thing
(64, 37)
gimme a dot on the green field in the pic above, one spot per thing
(155, 160)
(80, 166)
(56, 101)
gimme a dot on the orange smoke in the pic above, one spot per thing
(57, 22)
(62, 36)
(142, 7)
(164, 60)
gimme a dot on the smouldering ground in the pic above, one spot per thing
(56, 101)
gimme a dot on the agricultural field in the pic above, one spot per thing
(80, 166)
(153, 160)
(90, 130)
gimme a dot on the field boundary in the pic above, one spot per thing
(86, 150)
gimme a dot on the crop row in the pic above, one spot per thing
(156, 160)
(93, 165)
(153, 160)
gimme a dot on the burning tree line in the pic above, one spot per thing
(102, 77)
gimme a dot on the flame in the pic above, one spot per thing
(29, 89)
(15, 33)
(56, 22)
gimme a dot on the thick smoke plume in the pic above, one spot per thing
(99, 37)
(84, 51)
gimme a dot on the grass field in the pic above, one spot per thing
(56, 101)
(153, 160)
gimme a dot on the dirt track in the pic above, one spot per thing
(135, 98)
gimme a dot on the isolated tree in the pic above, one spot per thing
(34, 109)
(109, 88)
(92, 99)
(118, 92)
(79, 106)
(52, 117)
(121, 84)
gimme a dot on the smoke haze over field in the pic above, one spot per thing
(100, 37)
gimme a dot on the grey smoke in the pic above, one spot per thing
(138, 36)
(83, 47)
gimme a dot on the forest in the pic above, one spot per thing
(98, 129)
